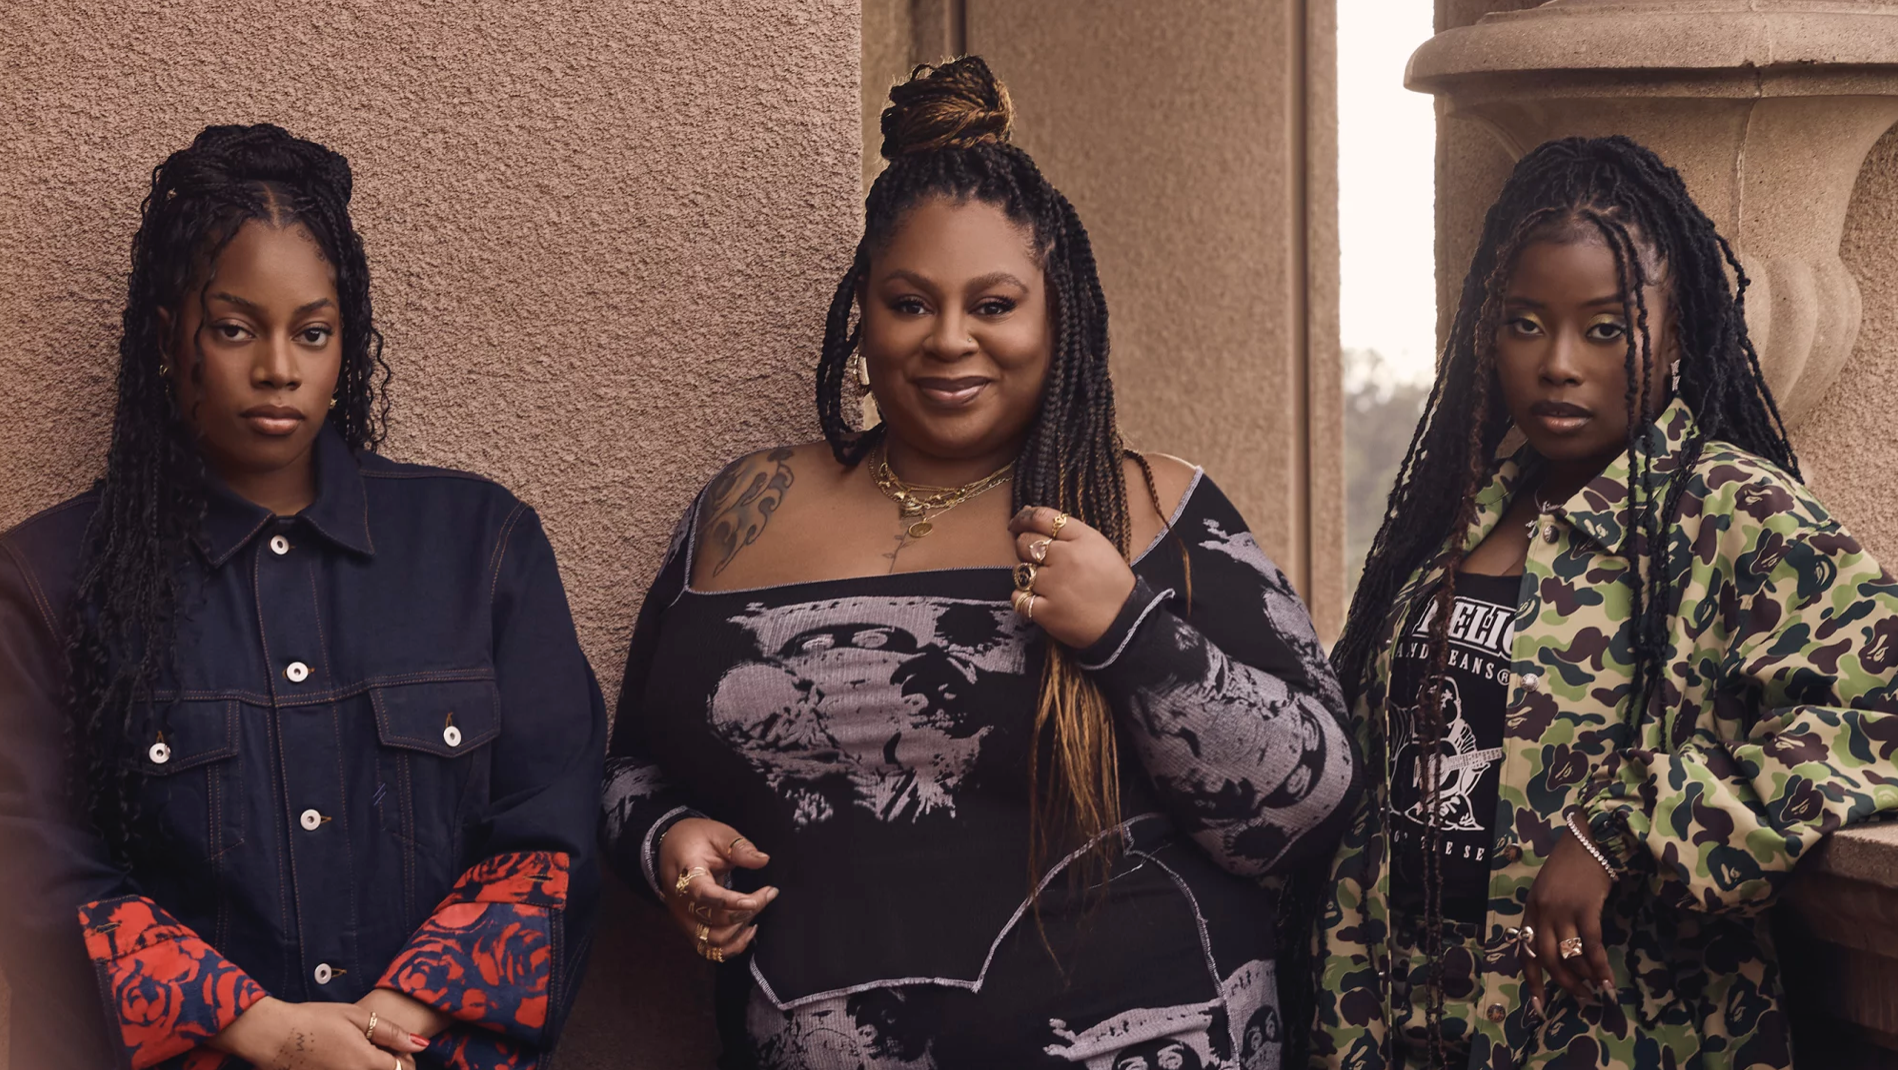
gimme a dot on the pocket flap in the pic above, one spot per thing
(193, 733)
(446, 719)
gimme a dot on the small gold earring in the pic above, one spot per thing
(332, 403)
(164, 369)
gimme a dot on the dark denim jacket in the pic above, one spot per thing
(377, 764)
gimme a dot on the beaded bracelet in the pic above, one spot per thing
(1579, 830)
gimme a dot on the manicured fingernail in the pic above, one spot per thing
(770, 895)
(417, 1038)
(1536, 1002)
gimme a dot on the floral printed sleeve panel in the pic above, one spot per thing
(1795, 739)
(638, 803)
(168, 989)
(1237, 717)
(464, 1048)
(486, 956)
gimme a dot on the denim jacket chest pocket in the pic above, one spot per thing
(192, 780)
(433, 761)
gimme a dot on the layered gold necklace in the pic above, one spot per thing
(920, 505)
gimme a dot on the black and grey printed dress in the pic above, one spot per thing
(873, 735)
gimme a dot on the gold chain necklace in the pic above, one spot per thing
(921, 504)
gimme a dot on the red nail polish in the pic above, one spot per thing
(419, 1039)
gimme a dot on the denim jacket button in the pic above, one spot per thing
(296, 672)
(159, 754)
(311, 820)
(279, 545)
(323, 973)
(451, 736)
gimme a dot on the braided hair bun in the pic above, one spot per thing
(222, 156)
(957, 105)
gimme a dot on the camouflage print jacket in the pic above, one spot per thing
(1776, 725)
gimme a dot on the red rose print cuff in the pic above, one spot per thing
(169, 990)
(486, 956)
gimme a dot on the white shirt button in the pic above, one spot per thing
(159, 754)
(1531, 681)
(279, 545)
(311, 820)
(296, 672)
(451, 736)
(1548, 533)
(323, 973)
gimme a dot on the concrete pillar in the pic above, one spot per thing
(1198, 141)
(603, 235)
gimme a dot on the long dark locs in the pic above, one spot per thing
(137, 557)
(1614, 190)
(946, 135)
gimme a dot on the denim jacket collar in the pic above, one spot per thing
(340, 512)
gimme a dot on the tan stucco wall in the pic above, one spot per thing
(1848, 445)
(603, 234)
(1197, 139)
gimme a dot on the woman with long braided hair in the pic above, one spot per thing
(1021, 744)
(299, 739)
(1618, 669)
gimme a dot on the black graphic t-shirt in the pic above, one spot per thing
(1475, 691)
(874, 734)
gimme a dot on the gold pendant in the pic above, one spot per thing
(912, 507)
(920, 529)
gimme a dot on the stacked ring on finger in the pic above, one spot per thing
(1025, 577)
(1054, 529)
(1039, 550)
(685, 879)
(369, 1031)
(1024, 603)
(1570, 948)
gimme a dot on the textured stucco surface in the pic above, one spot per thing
(1204, 169)
(603, 236)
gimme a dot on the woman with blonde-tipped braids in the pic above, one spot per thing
(971, 755)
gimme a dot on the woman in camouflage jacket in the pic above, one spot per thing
(1693, 689)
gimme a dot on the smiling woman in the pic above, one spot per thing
(301, 743)
(1019, 760)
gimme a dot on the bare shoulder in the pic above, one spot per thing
(740, 502)
(1153, 504)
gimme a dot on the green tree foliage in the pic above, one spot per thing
(1381, 410)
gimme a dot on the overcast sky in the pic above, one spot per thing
(1386, 153)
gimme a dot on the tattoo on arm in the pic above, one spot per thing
(741, 502)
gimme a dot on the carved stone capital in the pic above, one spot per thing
(1766, 107)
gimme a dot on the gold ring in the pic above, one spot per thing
(685, 879)
(369, 1034)
(1025, 603)
(715, 954)
(1054, 530)
(1025, 577)
(734, 844)
(704, 934)
(1039, 550)
(1570, 948)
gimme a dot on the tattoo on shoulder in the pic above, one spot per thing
(741, 502)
